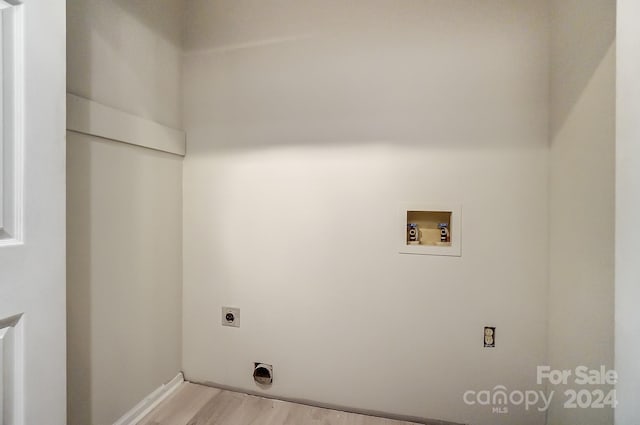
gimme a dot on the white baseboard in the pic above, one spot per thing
(143, 408)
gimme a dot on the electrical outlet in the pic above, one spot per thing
(489, 337)
(231, 317)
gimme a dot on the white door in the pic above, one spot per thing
(32, 212)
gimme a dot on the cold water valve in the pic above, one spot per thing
(444, 232)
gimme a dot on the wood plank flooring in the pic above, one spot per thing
(193, 404)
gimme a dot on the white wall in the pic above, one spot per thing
(124, 211)
(581, 304)
(627, 212)
(126, 54)
(124, 275)
(309, 124)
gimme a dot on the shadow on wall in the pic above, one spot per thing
(590, 37)
(79, 387)
(456, 75)
(157, 15)
(124, 266)
(126, 54)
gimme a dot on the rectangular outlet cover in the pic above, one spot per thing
(231, 317)
(489, 337)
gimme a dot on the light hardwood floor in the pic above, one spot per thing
(193, 404)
